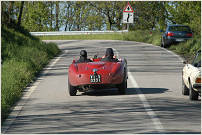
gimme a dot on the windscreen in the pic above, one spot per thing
(179, 28)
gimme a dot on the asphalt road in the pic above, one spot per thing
(153, 102)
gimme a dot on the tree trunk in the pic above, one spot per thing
(67, 14)
(10, 9)
(70, 27)
(57, 15)
(51, 21)
(20, 14)
(110, 22)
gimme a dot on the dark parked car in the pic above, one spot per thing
(175, 34)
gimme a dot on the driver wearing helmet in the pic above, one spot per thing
(83, 57)
(109, 56)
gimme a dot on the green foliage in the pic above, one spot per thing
(15, 75)
(187, 49)
(111, 13)
(36, 16)
(149, 15)
(102, 15)
(23, 56)
(186, 12)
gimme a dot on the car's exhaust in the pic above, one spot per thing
(86, 87)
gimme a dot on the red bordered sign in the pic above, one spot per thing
(128, 8)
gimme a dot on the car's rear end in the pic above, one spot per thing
(178, 33)
(96, 74)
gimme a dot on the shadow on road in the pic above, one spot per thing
(146, 90)
(129, 91)
(108, 115)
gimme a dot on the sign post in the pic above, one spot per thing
(128, 15)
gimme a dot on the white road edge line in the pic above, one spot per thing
(27, 93)
(147, 107)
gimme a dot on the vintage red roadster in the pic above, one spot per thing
(97, 74)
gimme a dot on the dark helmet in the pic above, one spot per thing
(109, 52)
(83, 53)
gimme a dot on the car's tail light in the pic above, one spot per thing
(198, 80)
(170, 34)
(189, 34)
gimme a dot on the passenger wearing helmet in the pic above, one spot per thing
(109, 56)
(83, 57)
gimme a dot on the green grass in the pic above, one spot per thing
(139, 36)
(143, 36)
(115, 36)
(23, 57)
(187, 49)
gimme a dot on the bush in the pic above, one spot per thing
(187, 49)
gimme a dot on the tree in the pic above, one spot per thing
(36, 16)
(186, 12)
(57, 16)
(20, 14)
(4, 13)
(112, 11)
(51, 15)
(10, 11)
(94, 15)
(149, 15)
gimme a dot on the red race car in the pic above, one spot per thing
(97, 74)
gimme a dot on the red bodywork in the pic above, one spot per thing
(112, 73)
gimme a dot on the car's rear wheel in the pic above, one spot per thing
(72, 90)
(122, 87)
(185, 90)
(193, 95)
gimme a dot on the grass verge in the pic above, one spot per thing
(139, 36)
(115, 36)
(23, 57)
(187, 49)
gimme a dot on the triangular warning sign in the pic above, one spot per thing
(128, 8)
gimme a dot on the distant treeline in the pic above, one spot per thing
(104, 15)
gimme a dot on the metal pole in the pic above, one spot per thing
(127, 26)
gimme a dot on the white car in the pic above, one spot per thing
(191, 78)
